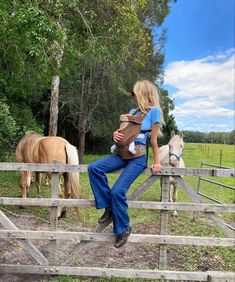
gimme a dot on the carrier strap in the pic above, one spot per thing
(126, 155)
(147, 148)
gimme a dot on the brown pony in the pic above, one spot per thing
(34, 148)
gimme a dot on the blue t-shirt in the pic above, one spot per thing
(153, 116)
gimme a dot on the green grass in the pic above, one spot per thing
(195, 153)
(180, 257)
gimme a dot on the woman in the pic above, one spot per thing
(145, 96)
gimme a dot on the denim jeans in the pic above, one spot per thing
(115, 197)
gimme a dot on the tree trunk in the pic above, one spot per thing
(82, 122)
(53, 123)
(81, 138)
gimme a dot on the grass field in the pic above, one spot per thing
(190, 258)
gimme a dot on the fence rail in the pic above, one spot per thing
(165, 171)
(212, 182)
(109, 237)
(210, 276)
(163, 240)
(50, 202)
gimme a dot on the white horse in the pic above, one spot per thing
(170, 154)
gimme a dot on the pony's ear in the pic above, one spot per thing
(172, 133)
(181, 135)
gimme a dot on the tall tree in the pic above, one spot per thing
(170, 124)
(121, 52)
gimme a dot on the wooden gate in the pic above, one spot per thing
(50, 266)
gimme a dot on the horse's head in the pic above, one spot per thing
(176, 146)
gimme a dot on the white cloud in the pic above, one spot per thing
(202, 108)
(208, 77)
(204, 90)
(219, 56)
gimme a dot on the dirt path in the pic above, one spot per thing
(96, 254)
(103, 254)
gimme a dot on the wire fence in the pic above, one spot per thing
(218, 155)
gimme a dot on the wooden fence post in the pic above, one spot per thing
(165, 190)
(54, 216)
(220, 157)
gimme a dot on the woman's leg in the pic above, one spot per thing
(118, 193)
(99, 181)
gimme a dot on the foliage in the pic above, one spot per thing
(25, 119)
(211, 137)
(26, 39)
(8, 127)
(120, 51)
(170, 124)
(105, 47)
(14, 126)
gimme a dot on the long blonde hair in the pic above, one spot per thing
(148, 96)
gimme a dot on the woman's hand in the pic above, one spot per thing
(117, 136)
(156, 168)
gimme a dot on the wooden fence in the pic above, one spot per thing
(221, 185)
(51, 266)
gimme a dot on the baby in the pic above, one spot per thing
(124, 120)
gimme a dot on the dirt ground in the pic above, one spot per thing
(102, 254)
(97, 254)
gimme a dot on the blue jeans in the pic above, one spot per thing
(115, 198)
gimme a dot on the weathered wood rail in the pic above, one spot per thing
(221, 185)
(51, 266)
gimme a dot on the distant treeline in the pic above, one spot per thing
(211, 137)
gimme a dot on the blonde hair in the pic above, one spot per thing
(148, 96)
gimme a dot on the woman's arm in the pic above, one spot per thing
(154, 133)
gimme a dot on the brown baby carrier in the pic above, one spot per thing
(130, 131)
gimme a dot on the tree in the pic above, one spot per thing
(93, 51)
(170, 124)
(8, 128)
(26, 38)
(210, 137)
(232, 137)
(121, 52)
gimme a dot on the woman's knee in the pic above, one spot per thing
(117, 193)
(95, 168)
(91, 168)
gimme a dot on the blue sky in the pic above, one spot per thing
(199, 64)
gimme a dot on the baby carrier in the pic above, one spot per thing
(130, 130)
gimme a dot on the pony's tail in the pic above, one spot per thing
(74, 179)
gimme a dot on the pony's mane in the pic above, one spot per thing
(30, 132)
